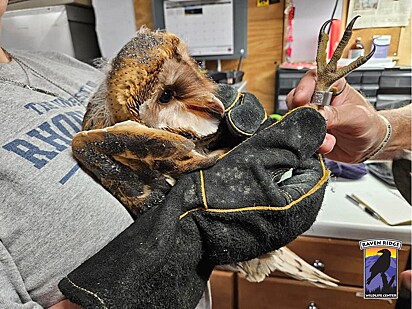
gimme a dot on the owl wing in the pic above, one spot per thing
(135, 163)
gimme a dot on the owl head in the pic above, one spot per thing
(154, 81)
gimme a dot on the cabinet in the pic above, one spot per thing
(342, 259)
(68, 29)
(385, 88)
(223, 285)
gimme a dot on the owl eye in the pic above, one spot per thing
(166, 96)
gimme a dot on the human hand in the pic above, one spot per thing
(355, 129)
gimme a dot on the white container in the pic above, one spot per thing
(381, 43)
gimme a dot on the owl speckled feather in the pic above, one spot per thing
(152, 120)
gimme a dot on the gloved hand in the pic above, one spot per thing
(236, 210)
(244, 114)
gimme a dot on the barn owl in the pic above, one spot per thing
(155, 82)
(156, 99)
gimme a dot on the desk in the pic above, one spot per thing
(339, 218)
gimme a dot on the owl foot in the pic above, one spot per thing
(329, 73)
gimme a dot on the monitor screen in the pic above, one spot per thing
(212, 29)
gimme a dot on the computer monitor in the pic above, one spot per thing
(212, 29)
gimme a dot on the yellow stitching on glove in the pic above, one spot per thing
(203, 190)
(234, 126)
(264, 118)
(318, 185)
(239, 95)
(277, 122)
(88, 292)
(239, 130)
(189, 211)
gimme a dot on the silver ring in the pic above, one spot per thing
(322, 98)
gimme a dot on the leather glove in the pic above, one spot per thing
(240, 208)
(244, 116)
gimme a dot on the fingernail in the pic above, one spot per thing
(293, 93)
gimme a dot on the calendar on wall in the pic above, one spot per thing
(206, 26)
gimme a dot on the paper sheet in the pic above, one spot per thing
(387, 203)
(380, 13)
(115, 24)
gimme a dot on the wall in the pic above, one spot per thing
(143, 12)
(400, 46)
(309, 18)
(265, 43)
(404, 51)
(265, 38)
(306, 24)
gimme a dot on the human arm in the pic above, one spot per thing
(355, 128)
(400, 119)
(13, 294)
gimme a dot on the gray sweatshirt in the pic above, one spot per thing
(53, 215)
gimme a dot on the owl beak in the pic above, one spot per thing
(212, 106)
(216, 108)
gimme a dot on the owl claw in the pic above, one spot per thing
(325, 24)
(328, 73)
(322, 44)
(343, 42)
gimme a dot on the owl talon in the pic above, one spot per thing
(342, 44)
(329, 73)
(322, 44)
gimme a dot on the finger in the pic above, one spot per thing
(338, 87)
(289, 99)
(328, 144)
(304, 90)
(350, 117)
(302, 94)
(332, 115)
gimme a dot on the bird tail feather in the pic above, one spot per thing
(285, 261)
